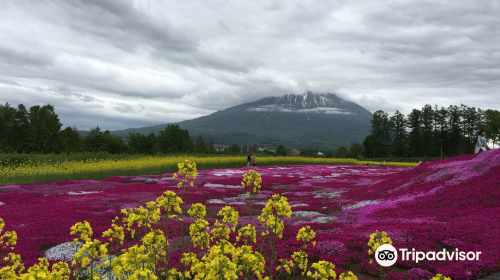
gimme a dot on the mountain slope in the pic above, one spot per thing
(316, 121)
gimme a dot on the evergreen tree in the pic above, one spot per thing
(94, 141)
(398, 134)
(355, 151)
(45, 127)
(70, 141)
(415, 127)
(211, 147)
(281, 151)
(200, 145)
(341, 152)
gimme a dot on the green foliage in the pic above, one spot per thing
(329, 154)
(142, 144)
(355, 151)
(69, 140)
(424, 132)
(200, 146)
(173, 139)
(281, 151)
(341, 152)
(233, 149)
(24, 131)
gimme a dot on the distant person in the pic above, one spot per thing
(481, 140)
(383, 163)
(254, 161)
(249, 158)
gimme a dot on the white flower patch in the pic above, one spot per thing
(1, 203)
(328, 194)
(80, 193)
(63, 251)
(299, 205)
(220, 201)
(244, 195)
(334, 175)
(209, 185)
(228, 173)
(279, 168)
(324, 220)
(306, 213)
(276, 175)
(260, 203)
(169, 178)
(317, 177)
(360, 204)
(238, 203)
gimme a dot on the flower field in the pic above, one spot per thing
(95, 169)
(450, 204)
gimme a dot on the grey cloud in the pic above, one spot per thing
(24, 57)
(318, 110)
(175, 60)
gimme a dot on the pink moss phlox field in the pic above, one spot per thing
(449, 204)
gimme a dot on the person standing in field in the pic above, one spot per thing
(254, 161)
(249, 158)
(481, 141)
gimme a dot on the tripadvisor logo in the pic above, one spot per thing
(386, 255)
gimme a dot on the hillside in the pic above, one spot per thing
(316, 121)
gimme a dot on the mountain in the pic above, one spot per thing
(307, 121)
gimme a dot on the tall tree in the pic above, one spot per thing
(46, 126)
(341, 152)
(455, 134)
(398, 134)
(211, 147)
(380, 129)
(94, 141)
(70, 141)
(355, 151)
(415, 127)
(427, 145)
(200, 146)
(491, 124)
(173, 139)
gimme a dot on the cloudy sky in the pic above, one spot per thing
(126, 63)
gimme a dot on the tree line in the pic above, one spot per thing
(430, 131)
(39, 130)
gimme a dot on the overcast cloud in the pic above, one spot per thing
(124, 63)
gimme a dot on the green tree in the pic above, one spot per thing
(70, 141)
(415, 135)
(114, 144)
(281, 151)
(341, 152)
(369, 146)
(200, 146)
(211, 147)
(398, 134)
(234, 149)
(94, 141)
(329, 154)
(174, 140)
(381, 127)
(355, 151)
(426, 142)
(491, 124)
(45, 127)
(455, 133)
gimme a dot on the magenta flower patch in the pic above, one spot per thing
(450, 204)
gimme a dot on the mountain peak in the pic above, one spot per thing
(308, 102)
